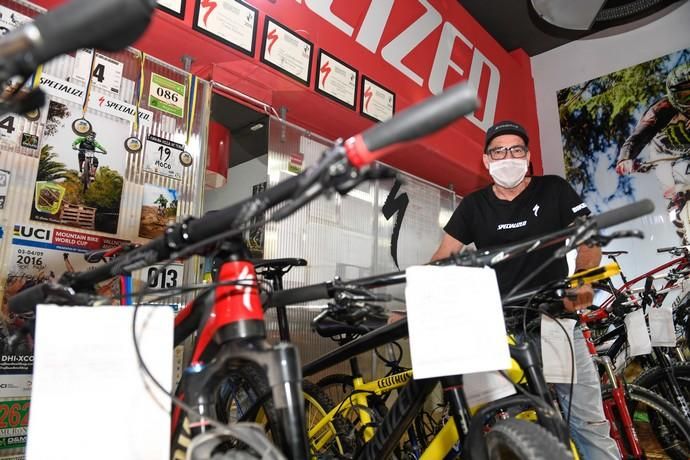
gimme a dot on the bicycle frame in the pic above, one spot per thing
(358, 400)
(230, 322)
(414, 393)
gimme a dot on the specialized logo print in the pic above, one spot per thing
(391, 206)
(367, 97)
(247, 294)
(511, 226)
(211, 6)
(579, 207)
(101, 100)
(325, 70)
(271, 37)
(535, 209)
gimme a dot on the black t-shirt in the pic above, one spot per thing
(548, 204)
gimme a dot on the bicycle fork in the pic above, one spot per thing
(235, 322)
(618, 392)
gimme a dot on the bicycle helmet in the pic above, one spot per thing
(678, 88)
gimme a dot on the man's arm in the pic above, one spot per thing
(77, 142)
(587, 257)
(448, 246)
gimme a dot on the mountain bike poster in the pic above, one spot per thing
(626, 136)
(40, 254)
(158, 209)
(79, 179)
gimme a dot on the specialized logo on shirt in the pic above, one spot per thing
(536, 210)
(513, 225)
(579, 207)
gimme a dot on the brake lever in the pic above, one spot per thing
(353, 178)
(602, 240)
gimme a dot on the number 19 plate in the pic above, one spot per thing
(163, 157)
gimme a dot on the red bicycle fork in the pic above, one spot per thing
(232, 334)
(629, 446)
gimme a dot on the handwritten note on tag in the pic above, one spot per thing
(556, 353)
(455, 321)
(86, 375)
(484, 387)
(638, 335)
(661, 328)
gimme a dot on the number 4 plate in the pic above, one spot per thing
(163, 157)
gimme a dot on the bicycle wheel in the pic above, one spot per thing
(656, 379)
(522, 440)
(336, 437)
(661, 429)
(245, 394)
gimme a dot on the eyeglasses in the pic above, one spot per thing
(499, 153)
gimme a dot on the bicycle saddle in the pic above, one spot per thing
(613, 253)
(278, 264)
(329, 327)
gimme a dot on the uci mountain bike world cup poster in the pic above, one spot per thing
(36, 254)
(79, 179)
(158, 209)
(626, 137)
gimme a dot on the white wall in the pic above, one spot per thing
(241, 178)
(595, 56)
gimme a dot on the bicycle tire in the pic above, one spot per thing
(523, 440)
(661, 428)
(252, 384)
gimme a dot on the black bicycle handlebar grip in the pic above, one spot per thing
(667, 249)
(105, 24)
(423, 118)
(27, 300)
(624, 213)
(300, 295)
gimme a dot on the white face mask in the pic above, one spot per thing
(508, 173)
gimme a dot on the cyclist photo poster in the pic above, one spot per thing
(625, 137)
(80, 174)
(158, 209)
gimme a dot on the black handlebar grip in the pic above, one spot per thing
(27, 300)
(106, 24)
(624, 213)
(299, 295)
(423, 118)
(668, 249)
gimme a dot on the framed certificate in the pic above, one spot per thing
(231, 22)
(286, 51)
(174, 7)
(336, 80)
(376, 102)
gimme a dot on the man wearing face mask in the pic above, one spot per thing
(517, 207)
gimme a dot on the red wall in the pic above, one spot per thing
(452, 156)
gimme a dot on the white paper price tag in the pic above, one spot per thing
(95, 375)
(556, 354)
(455, 321)
(163, 157)
(484, 387)
(661, 327)
(107, 72)
(638, 335)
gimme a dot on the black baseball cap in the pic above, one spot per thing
(505, 127)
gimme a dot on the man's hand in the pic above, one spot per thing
(625, 167)
(579, 298)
